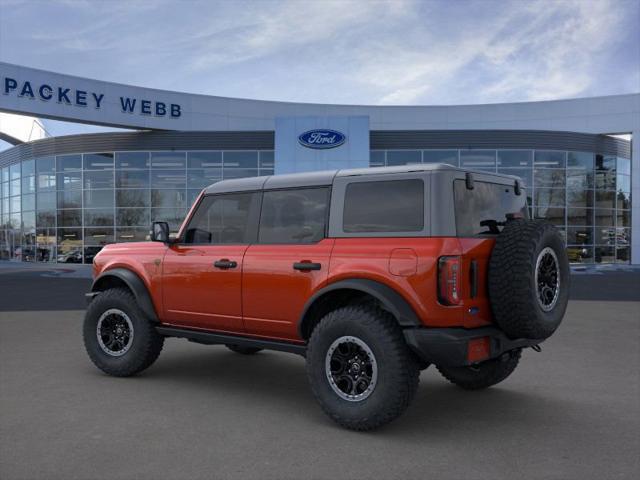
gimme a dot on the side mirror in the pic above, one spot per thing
(160, 232)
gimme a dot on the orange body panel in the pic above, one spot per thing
(142, 258)
(274, 293)
(384, 259)
(478, 249)
(265, 296)
(196, 293)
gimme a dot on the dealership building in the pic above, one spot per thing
(64, 198)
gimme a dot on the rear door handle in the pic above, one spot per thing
(304, 266)
(225, 264)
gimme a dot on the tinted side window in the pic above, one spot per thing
(293, 216)
(487, 201)
(384, 206)
(224, 219)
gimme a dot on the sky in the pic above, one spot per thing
(395, 52)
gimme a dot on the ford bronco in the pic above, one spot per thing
(371, 275)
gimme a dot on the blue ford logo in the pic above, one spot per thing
(322, 138)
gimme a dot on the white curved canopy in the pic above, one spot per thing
(18, 128)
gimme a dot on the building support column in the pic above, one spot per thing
(635, 197)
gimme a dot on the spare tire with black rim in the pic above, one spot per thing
(529, 279)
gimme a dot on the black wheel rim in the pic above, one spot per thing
(114, 332)
(351, 368)
(547, 279)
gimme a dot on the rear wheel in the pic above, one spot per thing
(243, 350)
(119, 339)
(360, 369)
(483, 375)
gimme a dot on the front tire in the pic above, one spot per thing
(483, 375)
(361, 371)
(118, 337)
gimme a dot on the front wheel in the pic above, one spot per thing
(118, 337)
(483, 375)
(360, 369)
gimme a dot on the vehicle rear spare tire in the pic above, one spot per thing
(529, 279)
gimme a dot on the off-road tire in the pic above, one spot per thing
(398, 372)
(242, 350)
(484, 374)
(512, 286)
(145, 346)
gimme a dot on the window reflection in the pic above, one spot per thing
(478, 159)
(168, 160)
(132, 160)
(132, 179)
(168, 198)
(440, 156)
(97, 161)
(133, 198)
(549, 159)
(204, 159)
(403, 157)
(549, 178)
(168, 179)
(240, 160)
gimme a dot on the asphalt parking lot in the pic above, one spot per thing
(570, 412)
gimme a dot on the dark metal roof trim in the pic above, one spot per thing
(499, 139)
(9, 139)
(132, 141)
(264, 140)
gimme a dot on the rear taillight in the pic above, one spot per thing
(449, 280)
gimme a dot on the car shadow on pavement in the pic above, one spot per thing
(280, 381)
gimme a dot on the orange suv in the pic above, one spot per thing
(371, 274)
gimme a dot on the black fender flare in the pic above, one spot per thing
(135, 284)
(388, 298)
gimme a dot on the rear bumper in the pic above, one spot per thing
(449, 346)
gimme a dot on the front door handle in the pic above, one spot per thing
(304, 266)
(225, 264)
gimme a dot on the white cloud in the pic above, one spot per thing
(386, 52)
(287, 26)
(532, 51)
(552, 56)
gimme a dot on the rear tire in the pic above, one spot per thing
(360, 369)
(119, 339)
(242, 350)
(483, 375)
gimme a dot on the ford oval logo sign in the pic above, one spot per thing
(322, 138)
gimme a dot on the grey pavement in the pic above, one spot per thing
(570, 412)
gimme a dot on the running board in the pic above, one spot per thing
(209, 338)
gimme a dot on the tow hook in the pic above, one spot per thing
(536, 348)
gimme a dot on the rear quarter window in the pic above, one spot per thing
(384, 206)
(487, 201)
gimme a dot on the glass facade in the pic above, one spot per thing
(586, 195)
(66, 208)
